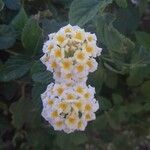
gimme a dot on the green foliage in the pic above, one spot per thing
(13, 4)
(143, 39)
(1, 5)
(121, 3)
(7, 36)
(32, 37)
(20, 20)
(82, 11)
(15, 68)
(122, 80)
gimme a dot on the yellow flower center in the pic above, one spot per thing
(80, 56)
(50, 47)
(54, 114)
(89, 63)
(60, 39)
(69, 75)
(79, 36)
(87, 116)
(67, 30)
(78, 105)
(79, 124)
(89, 49)
(50, 102)
(90, 38)
(66, 65)
(72, 119)
(79, 89)
(60, 90)
(58, 53)
(59, 123)
(54, 65)
(63, 106)
(88, 107)
(87, 95)
(70, 96)
(80, 68)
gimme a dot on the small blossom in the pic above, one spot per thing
(69, 104)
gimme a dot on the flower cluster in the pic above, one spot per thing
(70, 55)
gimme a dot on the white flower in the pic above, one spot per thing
(68, 104)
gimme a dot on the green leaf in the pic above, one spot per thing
(1, 5)
(121, 3)
(105, 104)
(32, 37)
(35, 139)
(14, 68)
(82, 11)
(117, 99)
(37, 90)
(99, 77)
(111, 120)
(7, 36)
(143, 38)
(65, 141)
(20, 20)
(13, 4)
(100, 123)
(145, 89)
(114, 41)
(39, 73)
(111, 80)
(51, 26)
(139, 66)
(10, 89)
(129, 14)
(118, 45)
(23, 112)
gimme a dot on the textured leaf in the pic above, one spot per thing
(50, 26)
(24, 112)
(123, 17)
(40, 75)
(13, 4)
(145, 89)
(36, 140)
(121, 3)
(20, 20)
(7, 36)
(21, 112)
(32, 36)
(105, 104)
(68, 141)
(111, 80)
(118, 45)
(1, 5)
(37, 90)
(111, 37)
(99, 77)
(117, 99)
(143, 38)
(15, 67)
(82, 11)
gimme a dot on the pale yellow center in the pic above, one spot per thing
(80, 68)
(54, 114)
(50, 102)
(88, 107)
(58, 53)
(50, 47)
(78, 36)
(60, 39)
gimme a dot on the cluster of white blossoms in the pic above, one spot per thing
(68, 104)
